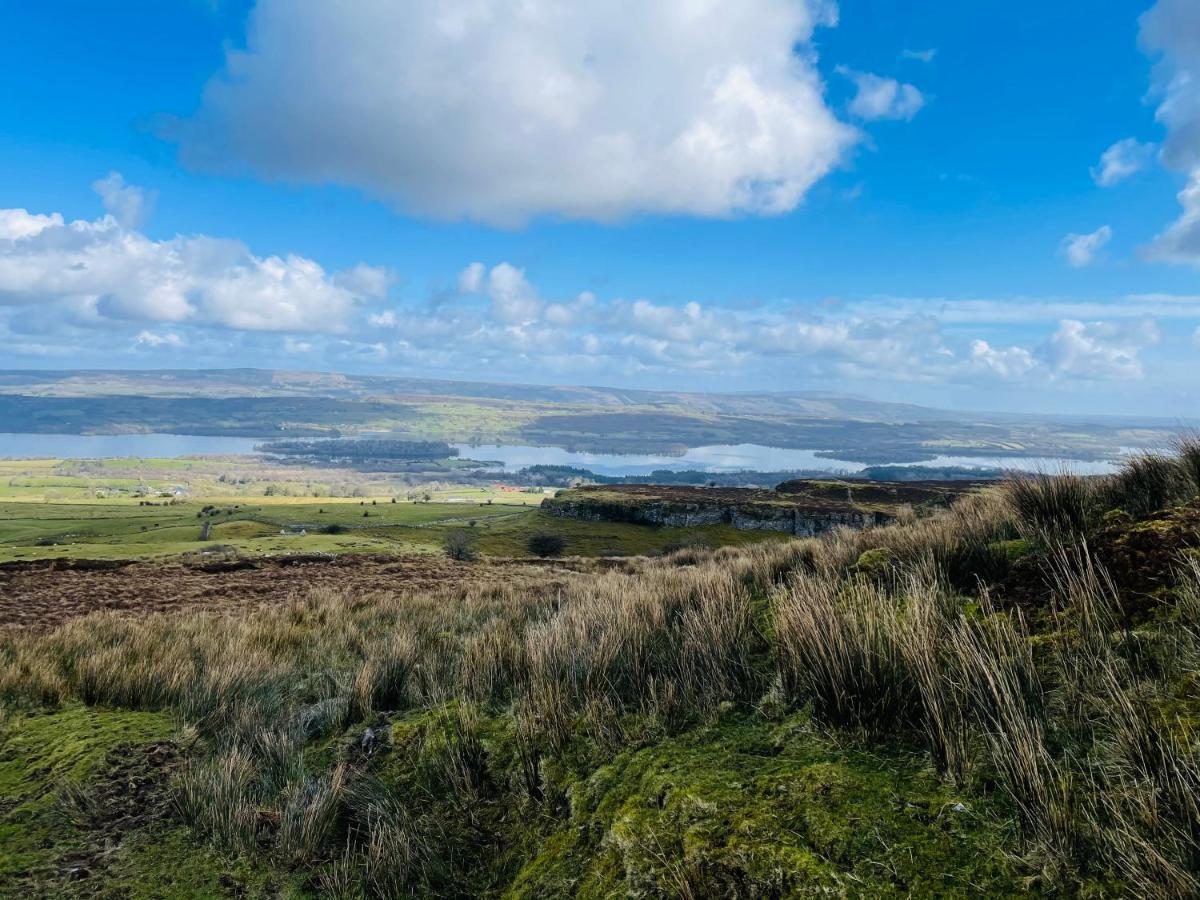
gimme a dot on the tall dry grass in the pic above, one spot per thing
(840, 651)
(1060, 507)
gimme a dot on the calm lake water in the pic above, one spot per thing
(98, 446)
(740, 457)
(719, 458)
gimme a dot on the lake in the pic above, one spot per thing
(98, 446)
(741, 457)
(717, 458)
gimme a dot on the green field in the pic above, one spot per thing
(127, 509)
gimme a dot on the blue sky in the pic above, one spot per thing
(970, 205)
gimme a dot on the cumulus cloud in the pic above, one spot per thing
(155, 341)
(64, 283)
(1170, 30)
(925, 56)
(1099, 350)
(1081, 249)
(100, 269)
(19, 223)
(1004, 362)
(129, 205)
(470, 279)
(1180, 242)
(513, 298)
(882, 98)
(292, 345)
(1122, 160)
(615, 339)
(508, 110)
(365, 281)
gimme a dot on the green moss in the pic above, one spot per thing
(1012, 550)
(877, 563)
(38, 755)
(44, 852)
(746, 809)
(169, 863)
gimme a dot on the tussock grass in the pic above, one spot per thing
(925, 635)
(309, 817)
(840, 651)
(1187, 451)
(217, 796)
(1060, 506)
(1148, 483)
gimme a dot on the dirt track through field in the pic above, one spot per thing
(41, 595)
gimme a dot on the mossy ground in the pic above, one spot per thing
(746, 808)
(738, 807)
(46, 852)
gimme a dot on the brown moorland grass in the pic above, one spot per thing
(42, 595)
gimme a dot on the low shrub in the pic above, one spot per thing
(460, 545)
(546, 545)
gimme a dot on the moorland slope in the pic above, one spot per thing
(987, 700)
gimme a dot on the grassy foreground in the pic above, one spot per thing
(990, 701)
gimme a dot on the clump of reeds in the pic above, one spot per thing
(1147, 483)
(1063, 506)
(931, 614)
(1186, 448)
(840, 653)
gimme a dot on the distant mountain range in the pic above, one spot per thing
(260, 402)
(222, 383)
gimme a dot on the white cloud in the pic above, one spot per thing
(64, 283)
(882, 98)
(873, 340)
(1122, 160)
(1010, 362)
(1081, 249)
(103, 270)
(129, 205)
(925, 56)
(385, 319)
(1031, 310)
(1171, 31)
(292, 345)
(156, 341)
(1099, 350)
(470, 279)
(365, 281)
(507, 110)
(1180, 242)
(513, 298)
(19, 223)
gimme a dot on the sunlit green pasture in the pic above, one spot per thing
(139, 509)
(36, 530)
(44, 530)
